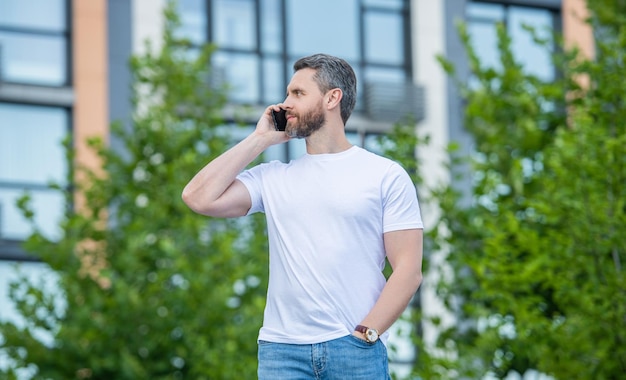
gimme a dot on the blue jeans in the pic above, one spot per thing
(343, 358)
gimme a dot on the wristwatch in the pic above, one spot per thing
(371, 335)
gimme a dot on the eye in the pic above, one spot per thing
(296, 93)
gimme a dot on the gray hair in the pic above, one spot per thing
(332, 72)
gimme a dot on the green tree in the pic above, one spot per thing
(146, 288)
(538, 253)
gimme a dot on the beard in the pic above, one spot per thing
(307, 124)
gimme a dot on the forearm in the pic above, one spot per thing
(404, 251)
(394, 299)
(215, 178)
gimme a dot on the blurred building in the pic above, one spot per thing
(63, 70)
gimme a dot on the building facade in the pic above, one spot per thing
(64, 72)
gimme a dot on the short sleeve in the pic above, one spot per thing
(252, 179)
(401, 210)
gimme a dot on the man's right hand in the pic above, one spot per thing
(265, 128)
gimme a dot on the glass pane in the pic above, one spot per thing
(193, 20)
(274, 83)
(387, 75)
(536, 59)
(389, 4)
(271, 26)
(48, 206)
(30, 144)
(485, 41)
(242, 75)
(372, 144)
(491, 12)
(275, 152)
(307, 32)
(46, 15)
(33, 59)
(384, 38)
(36, 273)
(297, 148)
(234, 24)
(354, 138)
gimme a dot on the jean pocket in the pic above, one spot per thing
(360, 342)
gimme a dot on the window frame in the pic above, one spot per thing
(65, 35)
(39, 95)
(551, 6)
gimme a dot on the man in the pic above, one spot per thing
(333, 215)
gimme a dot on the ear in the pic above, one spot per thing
(333, 98)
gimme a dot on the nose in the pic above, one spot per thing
(286, 104)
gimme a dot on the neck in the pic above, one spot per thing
(313, 148)
(327, 140)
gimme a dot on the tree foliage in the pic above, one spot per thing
(146, 288)
(538, 255)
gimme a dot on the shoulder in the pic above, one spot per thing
(364, 155)
(381, 163)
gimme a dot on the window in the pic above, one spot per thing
(34, 42)
(35, 116)
(482, 17)
(31, 156)
(259, 40)
(312, 28)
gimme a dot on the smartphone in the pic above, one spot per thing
(280, 119)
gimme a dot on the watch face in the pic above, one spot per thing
(371, 335)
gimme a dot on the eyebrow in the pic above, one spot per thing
(294, 89)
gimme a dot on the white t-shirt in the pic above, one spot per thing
(326, 216)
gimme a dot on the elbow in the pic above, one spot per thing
(410, 276)
(200, 205)
(190, 200)
(417, 278)
(186, 197)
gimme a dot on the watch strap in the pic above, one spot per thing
(360, 328)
